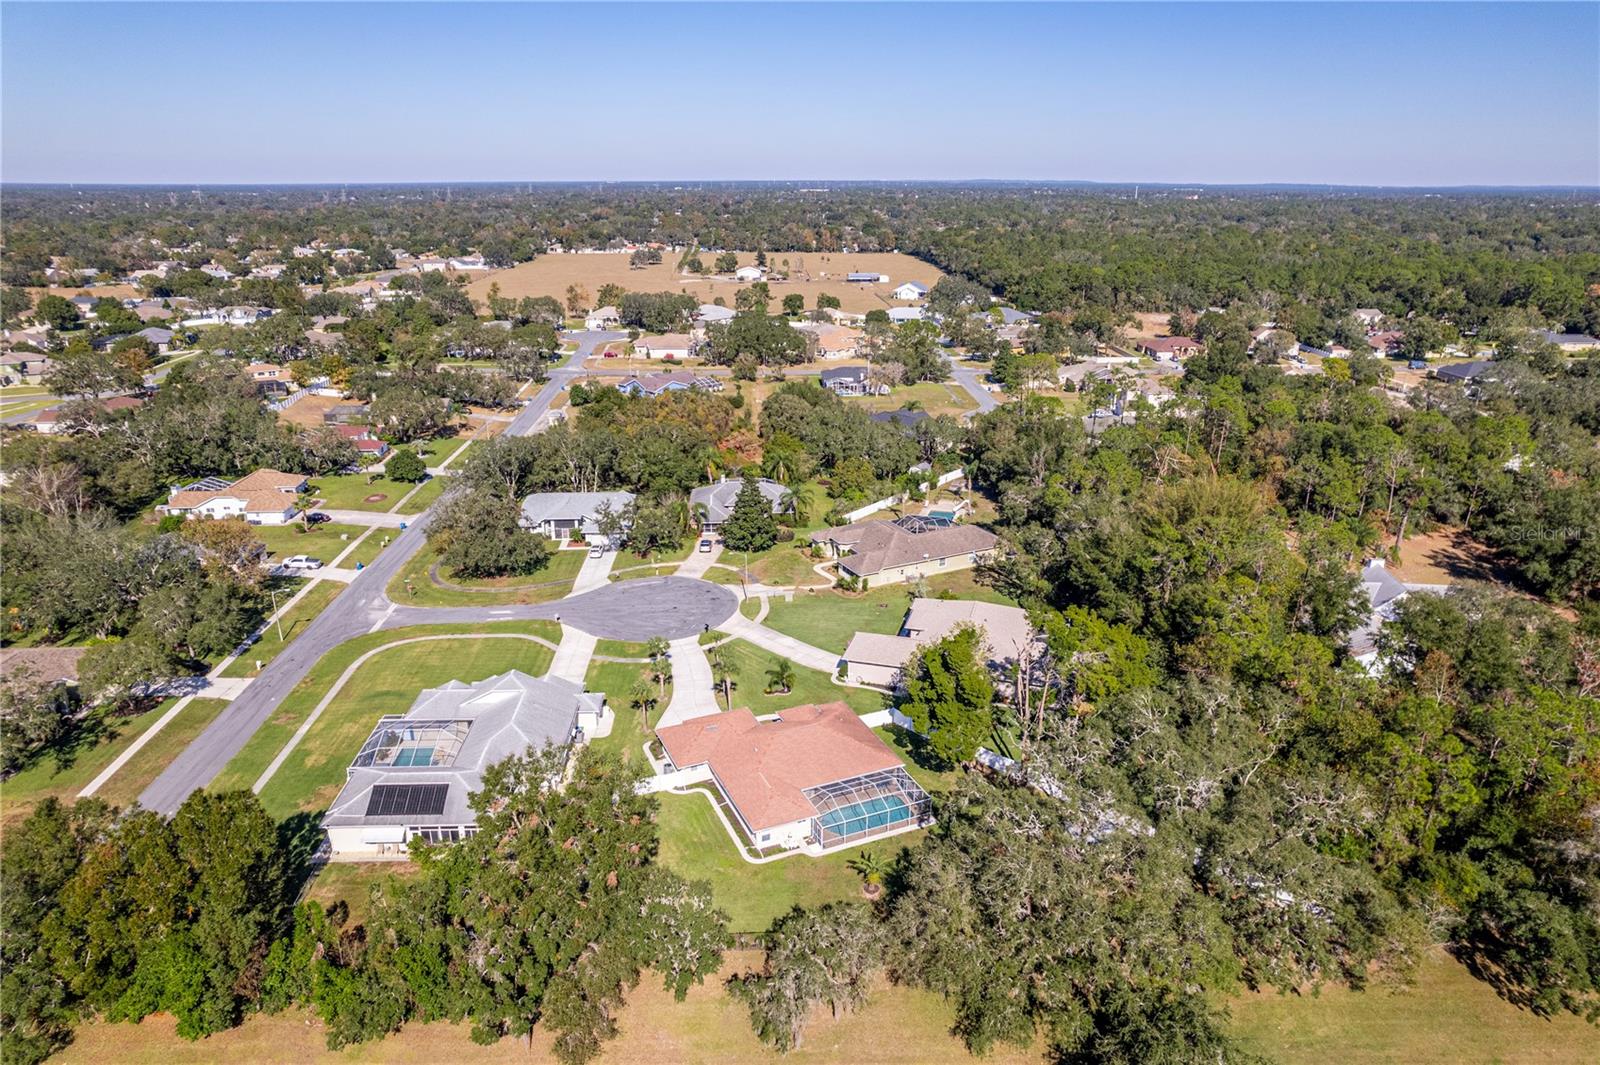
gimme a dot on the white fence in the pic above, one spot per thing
(900, 497)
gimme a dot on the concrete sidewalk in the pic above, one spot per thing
(573, 655)
(801, 654)
(380, 518)
(692, 693)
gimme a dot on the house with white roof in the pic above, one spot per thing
(910, 290)
(602, 318)
(709, 313)
(415, 774)
(569, 515)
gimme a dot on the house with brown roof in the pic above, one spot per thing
(875, 658)
(265, 497)
(1170, 347)
(664, 346)
(364, 440)
(917, 545)
(811, 776)
(53, 419)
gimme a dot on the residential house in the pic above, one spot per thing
(664, 346)
(710, 313)
(153, 310)
(159, 337)
(654, 384)
(910, 290)
(832, 341)
(718, 499)
(571, 515)
(265, 497)
(51, 420)
(852, 381)
(749, 273)
(810, 776)
(873, 658)
(346, 414)
(1569, 342)
(1385, 343)
(602, 318)
(901, 315)
(85, 306)
(901, 419)
(1170, 348)
(414, 775)
(1369, 317)
(236, 316)
(468, 262)
(891, 552)
(23, 367)
(1463, 372)
(1384, 593)
(1012, 316)
(365, 442)
(270, 379)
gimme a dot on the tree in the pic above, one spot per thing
(34, 714)
(722, 674)
(949, 696)
(769, 341)
(81, 371)
(643, 698)
(57, 312)
(825, 956)
(577, 299)
(727, 263)
(406, 466)
(480, 535)
(751, 526)
(827, 301)
(793, 304)
(230, 546)
(658, 651)
(780, 678)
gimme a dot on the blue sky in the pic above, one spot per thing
(1401, 94)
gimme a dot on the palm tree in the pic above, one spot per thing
(780, 678)
(660, 663)
(722, 675)
(872, 869)
(643, 699)
(699, 512)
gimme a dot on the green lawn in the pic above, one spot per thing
(269, 739)
(750, 664)
(267, 647)
(319, 541)
(352, 884)
(1448, 1017)
(932, 397)
(129, 782)
(552, 582)
(63, 774)
(431, 490)
(696, 845)
(368, 549)
(827, 618)
(436, 452)
(620, 649)
(628, 733)
(781, 564)
(349, 491)
(387, 683)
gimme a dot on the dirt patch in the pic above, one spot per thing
(114, 292)
(1445, 555)
(1150, 324)
(377, 497)
(810, 273)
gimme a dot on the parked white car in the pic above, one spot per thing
(302, 562)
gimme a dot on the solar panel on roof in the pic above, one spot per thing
(407, 800)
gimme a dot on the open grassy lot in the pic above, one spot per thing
(423, 497)
(827, 618)
(64, 773)
(319, 541)
(782, 564)
(352, 882)
(437, 451)
(1448, 1017)
(810, 273)
(267, 647)
(368, 549)
(897, 1026)
(387, 683)
(351, 491)
(930, 396)
(269, 739)
(413, 584)
(696, 845)
(126, 785)
(750, 664)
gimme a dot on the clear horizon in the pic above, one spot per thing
(1400, 96)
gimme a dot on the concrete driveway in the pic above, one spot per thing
(692, 693)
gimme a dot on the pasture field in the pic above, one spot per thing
(811, 273)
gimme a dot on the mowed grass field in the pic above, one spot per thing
(811, 273)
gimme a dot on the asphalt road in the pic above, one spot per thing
(636, 610)
(971, 380)
(362, 607)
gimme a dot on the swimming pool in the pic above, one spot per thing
(880, 811)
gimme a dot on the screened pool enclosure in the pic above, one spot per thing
(868, 805)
